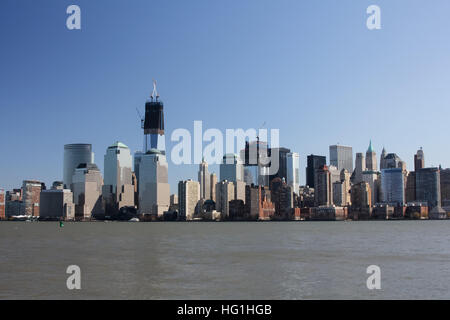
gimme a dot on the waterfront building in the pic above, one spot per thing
(153, 185)
(326, 213)
(87, 183)
(410, 187)
(323, 187)
(361, 198)
(292, 171)
(254, 196)
(237, 210)
(204, 179)
(371, 158)
(266, 207)
(57, 203)
(224, 194)
(174, 204)
(428, 186)
(445, 184)
(341, 190)
(282, 197)
(231, 168)
(189, 196)
(372, 178)
(118, 189)
(2, 204)
(154, 188)
(31, 191)
(341, 157)
(74, 154)
(393, 186)
(314, 162)
(419, 160)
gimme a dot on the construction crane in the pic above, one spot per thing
(140, 117)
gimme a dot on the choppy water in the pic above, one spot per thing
(285, 260)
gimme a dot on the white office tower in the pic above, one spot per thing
(87, 185)
(293, 165)
(188, 197)
(74, 154)
(225, 192)
(153, 185)
(118, 189)
(154, 189)
(341, 157)
(204, 179)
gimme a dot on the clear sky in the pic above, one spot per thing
(310, 68)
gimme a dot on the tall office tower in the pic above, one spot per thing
(323, 187)
(153, 185)
(57, 203)
(391, 160)
(74, 154)
(360, 167)
(188, 197)
(224, 194)
(393, 186)
(410, 187)
(341, 189)
(153, 123)
(204, 178)
(372, 178)
(282, 162)
(212, 186)
(282, 197)
(292, 171)
(382, 159)
(255, 158)
(231, 168)
(341, 157)
(154, 188)
(118, 189)
(361, 196)
(313, 163)
(419, 160)
(2, 204)
(87, 185)
(445, 184)
(31, 193)
(371, 158)
(137, 161)
(428, 186)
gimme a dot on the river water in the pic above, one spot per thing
(235, 260)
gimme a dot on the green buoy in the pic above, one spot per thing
(61, 224)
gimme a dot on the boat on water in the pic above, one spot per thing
(134, 220)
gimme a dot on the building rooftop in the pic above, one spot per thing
(118, 144)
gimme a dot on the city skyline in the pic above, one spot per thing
(52, 98)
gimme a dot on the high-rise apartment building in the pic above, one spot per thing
(224, 194)
(188, 198)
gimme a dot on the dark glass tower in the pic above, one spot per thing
(313, 163)
(153, 123)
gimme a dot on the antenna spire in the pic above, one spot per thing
(155, 92)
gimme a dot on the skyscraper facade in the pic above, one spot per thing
(74, 154)
(87, 183)
(314, 162)
(255, 158)
(224, 194)
(393, 186)
(292, 171)
(2, 204)
(419, 160)
(31, 193)
(205, 179)
(118, 189)
(341, 157)
(188, 197)
(360, 167)
(323, 187)
(428, 186)
(231, 168)
(212, 186)
(371, 158)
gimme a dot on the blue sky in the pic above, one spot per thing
(310, 68)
